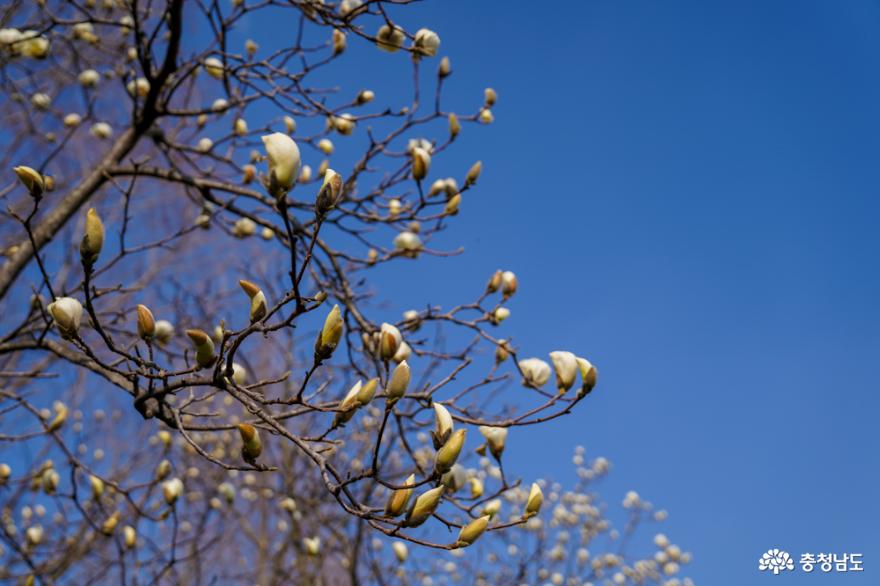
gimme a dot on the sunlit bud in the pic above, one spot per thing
(244, 227)
(535, 371)
(139, 87)
(259, 306)
(338, 41)
(389, 341)
(325, 146)
(250, 47)
(494, 281)
(423, 507)
(163, 469)
(171, 490)
(109, 526)
(60, 416)
(204, 346)
(344, 124)
(566, 366)
(93, 238)
(164, 437)
(267, 234)
(249, 172)
(448, 454)
(201, 120)
(146, 324)
(349, 404)
(399, 382)
(496, 438)
(390, 38)
(72, 120)
(500, 314)
(474, 173)
(67, 313)
(239, 373)
(219, 105)
(372, 256)
(164, 331)
(130, 536)
(454, 125)
(131, 54)
(365, 96)
(346, 7)
(421, 163)
(486, 116)
(34, 46)
(88, 78)
(472, 531)
(323, 167)
(476, 487)
(288, 504)
(101, 130)
(453, 204)
(312, 545)
(445, 67)
(394, 208)
(204, 145)
(32, 180)
(501, 352)
(490, 96)
(509, 283)
(5, 473)
(534, 502)
(400, 497)
(400, 551)
(330, 192)
(284, 160)
(443, 426)
(49, 480)
(589, 375)
(34, 535)
(408, 242)
(289, 124)
(251, 445)
(214, 67)
(426, 42)
(492, 507)
(330, 334)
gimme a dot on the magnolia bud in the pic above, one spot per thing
(249, 172)
(499, 315)
(330, 334)
(399, 382)
(408, 243)
(259, 307)
(492, 507)
(486, 116)
(445, 68)
(163, 469)
(130, 536)
(454, 125)
(239, 374)
(5, 473)
(204, 346)
(214, 67)
(400, 551)
(400, 497)
(426, 42)
(403, 353)
(490, 96)
(139, 87)
(101, 130)
(67, 313)
(284, 161)
(501, 352)
(390, 38)
(473, 173)
(251, 47)
(472, 531)
(421, 163)
(535, 372)
(494, 282)
(365, 96)
(328, 195)
(109, 526)
(476, 487)
(589, 374)
(338, 41)
(443, 427)
(453, 204)
(240, 126)
(448, 454)
(534, 502)
(243, 228)
(60, 416)
(97, 487)
(349, 404)
(344, 124)
(32, 180)
(33, 535)
(508, 283)
(251, 447)
(496, 438)
(325, 145)
(171, 490)
(146, 324)
(72, 120)
(566, 366)
(289, 124)
(164, 331)
(423, 507)
(389, 341)
(49, 480)
(312, 545)
(93, 238)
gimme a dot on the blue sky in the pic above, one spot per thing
(688, 194)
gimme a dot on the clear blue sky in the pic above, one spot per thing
(688, 193)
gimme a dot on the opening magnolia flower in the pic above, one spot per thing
(284, 160)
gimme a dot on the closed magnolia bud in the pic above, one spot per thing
(146, 324)
(426, 42)
(251, 47)
(499, 315)
(389, 340)
(349, 404)
(390, 38)
(93, 238)
(5, 473)
(486, 116)
(284, 161)
(421, 163)
(89, 78)
(252, 446)
(330, 335)
(214, 67)
(67, 313)
(443, 427)
(400, 497)
(243, 228)
(249, 172)
(338, 41)
(60, 416)
(399, 382)
(164, 437)
(509, 283)
(72, 120)
(448, 454)
(163, 469)
(473, 173)
(172, 490)
(328, 195)
(589, 375)
(494, 282)
(492, 507)
(535, 372)
(400, 551)
(139, 87)
(97, 487)
(472, 531)
(164, 331)
(476, 487)
(445, 67)
(454, 125)
(130, 536)
(344, 124)
(423, 507)
(408, 243)
(403, 353)
(33, 535)
(367, 391)
(453, 204)
(109, 526)
(490, 96)
(312, 545)
(455, 478)
(566, 366)
(496, 438)
(259, 307)
(365, 96)
(289, 124)
(49, 480)
(101, 130)
(501, 352)
(204, 346)
(240, 126)
(32, 180)
(534, 502)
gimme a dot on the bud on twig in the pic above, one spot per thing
(589, 375)
(473, 173)
(204, 346)
(423, 507)
(389, 340)
(421, 163)
(330, 334)
(566, 366)
(284, 162)
(67, 313)
(146, 324)
(328, 195)
(259, 307)
(32, 180)
(400, 497)
(472, 531)
(399, 382)
(252, 446)
(400, 551)
(443, 427)
(534, 502)
(172, 490)
(535, 372)
(448, 454)
(496, 438)
(93, 239)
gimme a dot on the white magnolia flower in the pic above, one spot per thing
(407, 241)
(284, 159)
(67, 313)
(496, 438)
(566, 366)
(41, 101)
(204, 145)
(390, 38)
(426, 42)
(535, 371)
(101, 130)
(89, 78)
(214, 67)
(72, 120)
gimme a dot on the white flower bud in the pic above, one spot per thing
(400, 551)
(214, 67)
(426, 42)
(139, 87)
(164, 331)
(566, 366)
(101, 130)
(389, 341)
(72, 120)
(89, 78)
(172, 490)
(496, 438)
(390, 38)
(284, 160)
(535, 371)
(399, 382)
(67, 313)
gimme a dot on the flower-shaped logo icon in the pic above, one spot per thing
(776, 561)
